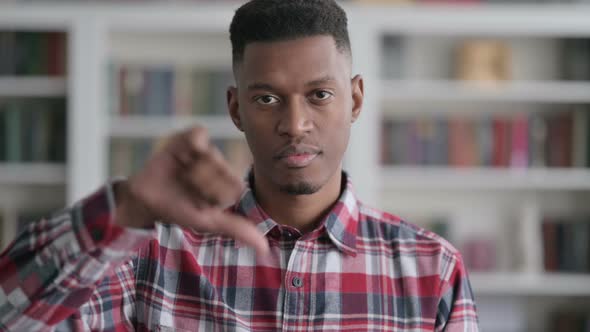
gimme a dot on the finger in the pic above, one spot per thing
(242, 230)
(213, 179)
(213, 220)
(189, 145)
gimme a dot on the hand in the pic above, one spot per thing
(187, 183)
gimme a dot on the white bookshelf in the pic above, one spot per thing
(523, 284)
(32, 174)
(158, 126)
(32, 87)
(444, 178)
(514, 91)
(196, 35)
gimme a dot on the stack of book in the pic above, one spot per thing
(566, 243)
(558, 139)
(571, 321)
(32, 53)
(490, 61)
(129, 155)
(2, 231)
(33, 130)
(168, 91)
(576, 59)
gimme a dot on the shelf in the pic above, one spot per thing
(394, 178)
(548, 284)
(511, 19)
(218, 126)
(515, 91)
(33, 87)
(32, 174)
(479, 19)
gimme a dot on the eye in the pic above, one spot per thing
(322, 95)
(267, 100)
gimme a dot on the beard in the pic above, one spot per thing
(300, 188)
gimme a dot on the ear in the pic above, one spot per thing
(234, 107)
(358, 95)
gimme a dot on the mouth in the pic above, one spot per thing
(297, 156)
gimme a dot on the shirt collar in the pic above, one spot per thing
(340, 223)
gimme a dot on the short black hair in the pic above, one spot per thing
(279, 20)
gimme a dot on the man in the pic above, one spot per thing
(294, 251)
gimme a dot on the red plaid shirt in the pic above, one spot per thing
(360, 270)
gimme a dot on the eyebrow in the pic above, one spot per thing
(267, 86)
(320, 81)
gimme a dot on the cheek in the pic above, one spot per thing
(258, 134)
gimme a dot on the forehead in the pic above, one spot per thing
(295, 61)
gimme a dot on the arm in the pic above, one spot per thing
(52, 269)
(456, 309)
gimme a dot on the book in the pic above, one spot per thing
(392, 57)
(501, 142)
(555, 139)
(462, 143)
(56, 54)
(480, 254)
(7, 53)
(581, 136)
(538, 141)
(201, 93)
(3, 138)
(158, 94)
(550, 245)
(183, 91)
(580, 245)
(576, 59)
(520, 142)
(12, 128)
(484, 61)
(559, 139)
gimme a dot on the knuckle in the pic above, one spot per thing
(198, 138)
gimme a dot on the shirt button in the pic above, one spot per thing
(297, 282)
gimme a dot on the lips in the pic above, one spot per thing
(297, 156)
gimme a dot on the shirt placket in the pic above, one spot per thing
(294, 306)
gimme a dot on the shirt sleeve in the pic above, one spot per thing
(69, 266)
(456, 309)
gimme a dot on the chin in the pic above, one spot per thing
(300, 188)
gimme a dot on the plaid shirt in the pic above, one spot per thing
(359, 270)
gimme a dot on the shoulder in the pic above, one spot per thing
(387, 228)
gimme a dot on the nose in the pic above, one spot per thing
(295, 120)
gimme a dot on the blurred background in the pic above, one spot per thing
(475, 125)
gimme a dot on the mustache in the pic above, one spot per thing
(294, 149)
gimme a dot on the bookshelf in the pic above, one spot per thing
(504, 205)
(33, 124)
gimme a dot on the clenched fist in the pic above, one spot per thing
(188, 183)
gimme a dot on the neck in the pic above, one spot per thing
(303, 212)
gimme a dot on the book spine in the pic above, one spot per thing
(580, 137)
(13, 132)
(520, 143)
(550, 245)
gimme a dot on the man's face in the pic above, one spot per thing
(295, 102)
